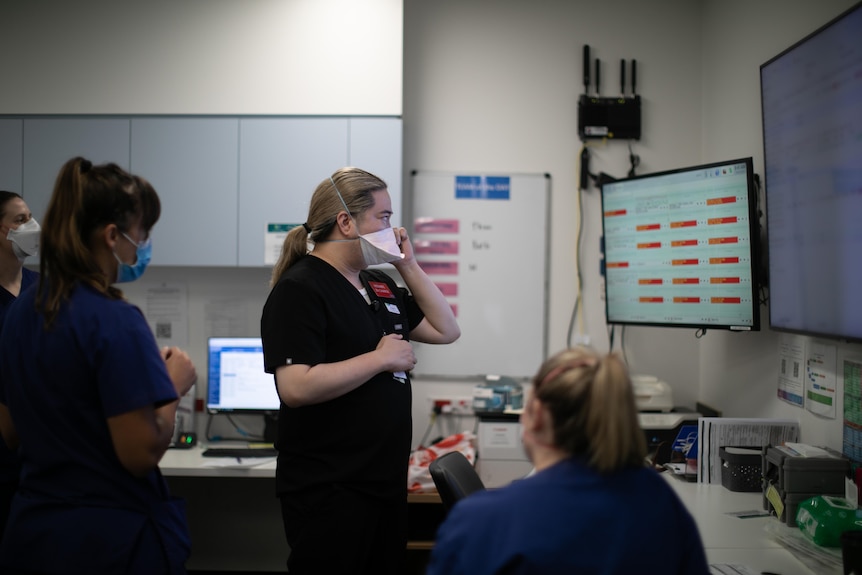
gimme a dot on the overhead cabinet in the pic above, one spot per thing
(221, 180)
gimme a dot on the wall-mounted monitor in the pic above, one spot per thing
(236, 381)
(811, 98)
(681, 248)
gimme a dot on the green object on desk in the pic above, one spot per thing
(824, 518)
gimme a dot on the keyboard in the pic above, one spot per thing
(240, 452)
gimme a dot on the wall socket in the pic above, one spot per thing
(452, 405)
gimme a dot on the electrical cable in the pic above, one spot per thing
(578, 271)
(635, 161)
(431, 421)
(623, 344)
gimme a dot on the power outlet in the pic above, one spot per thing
(452, 405)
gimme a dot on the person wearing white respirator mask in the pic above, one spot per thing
(19, 238)
(336, 336)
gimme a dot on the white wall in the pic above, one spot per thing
(202, 57)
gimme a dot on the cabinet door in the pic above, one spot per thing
(51, 142)
(192, 163)
(11, 155)
(375, 146)
(282, 160)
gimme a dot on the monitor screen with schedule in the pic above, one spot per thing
(236, 380)
(681, 248)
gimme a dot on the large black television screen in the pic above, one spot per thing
(681, 248)
(811, 98)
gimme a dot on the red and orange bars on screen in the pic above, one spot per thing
(729, 240)
(649, 245)
(678, 281)
(723, 200)
(724, 220)
(733, 260)
(617, 265)
(648, 227)
(651, 299)
(612, 213)
(684, 224)
(686, 299)
(650, 281)
(685, 262)
(725, 300)
(730, 280)
(682, 243)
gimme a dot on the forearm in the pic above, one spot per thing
(300, 385)
(438, 312)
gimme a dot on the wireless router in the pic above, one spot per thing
(601, 117)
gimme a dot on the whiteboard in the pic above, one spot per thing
(484, 241)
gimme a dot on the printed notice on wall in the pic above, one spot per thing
(791, 355)
(273, 240)
(852, 373)
(167, 313)
(820, 378)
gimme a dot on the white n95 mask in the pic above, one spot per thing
(25, 239)
(380, 247)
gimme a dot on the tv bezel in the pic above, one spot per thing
(754, 249)
(850, 338)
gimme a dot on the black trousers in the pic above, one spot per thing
(335, 530)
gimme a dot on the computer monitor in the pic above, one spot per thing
(681, 248)
(236, 381)
(811, 98)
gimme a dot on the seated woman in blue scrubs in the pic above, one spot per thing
(86, 394)
(592, 506)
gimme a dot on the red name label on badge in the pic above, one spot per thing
(381, 290)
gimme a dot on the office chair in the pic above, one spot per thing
(454, 477)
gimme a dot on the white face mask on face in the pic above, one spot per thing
(380, 247)
(25, 239)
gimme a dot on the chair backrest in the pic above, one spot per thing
(454, 477)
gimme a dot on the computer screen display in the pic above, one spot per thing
(681, 248)
(236, 380)
(811, 98)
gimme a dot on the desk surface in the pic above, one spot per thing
(727, 539)
(192, 463)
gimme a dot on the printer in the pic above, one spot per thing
(652, 394)
(657, 416)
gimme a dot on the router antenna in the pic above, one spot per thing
(634, 77)
(623, 78)
(598, 76)
(586, 69)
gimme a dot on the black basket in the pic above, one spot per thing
(741, 471)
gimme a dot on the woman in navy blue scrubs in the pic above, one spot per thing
(86, 394)
(592, 506)
(19, 238)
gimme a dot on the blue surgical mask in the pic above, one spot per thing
(131, 272)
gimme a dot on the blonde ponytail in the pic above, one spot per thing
(593, 409)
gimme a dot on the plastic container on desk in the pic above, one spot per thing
(498, 393)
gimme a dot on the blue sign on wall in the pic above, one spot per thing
(482, 187)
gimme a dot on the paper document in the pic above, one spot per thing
(236, 462)
(717, 432)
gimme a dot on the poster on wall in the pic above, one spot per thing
(791, 355)
(852, 375)
(820, 363)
